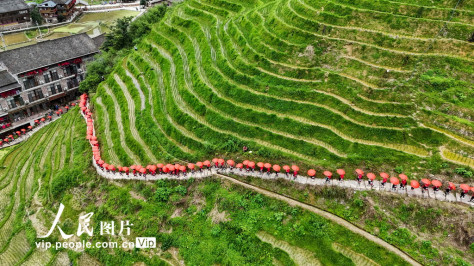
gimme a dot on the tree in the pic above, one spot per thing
(36, 16)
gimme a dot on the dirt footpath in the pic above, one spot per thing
(326, 215)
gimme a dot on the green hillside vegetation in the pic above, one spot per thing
(326, 84)
(198, 222)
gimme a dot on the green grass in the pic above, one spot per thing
(61, 164)
(106, 17)
(225, 81)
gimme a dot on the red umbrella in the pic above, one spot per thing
(472, 189)
(394, 180)
(359, 172)
(240, 165)
(276, 168)
(93, 138)
(371, 176)
(160, 165)
(18, 133)
(425, 181)
(182, 168)
(286, 168)
(142, 170)
(152, 168)
(327, 174)
(414, 184)
(207, 163)
(252, 165)
(268, 166)
(260, 164)
(191, 166)
(230, 163)
(120, 169)
(436, 183)
(100, 162)
(94, 142)
(166, 169)
(464, 187)
(295, 168)
(384, 175)
(311, 172)
(105, 165)
(171, 167)
(215, 161)
(403, 177)
(452, 186)
(246, 162)
(221, 162)
(30, 127)
(199, 164)
(126, 169)
(23, 130)
(111, 167)
(341, 172)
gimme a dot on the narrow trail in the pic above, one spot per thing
(131, 117)
(118, 119)
(326, 215)
(450, 135)
(152, 112)
(389, 34)
(229, 63)
(206, 81)
(202, 121)
(137, 86)
(299, 255)
(400, 147)
(108, 135)
(469, 162)
(211, 107)
(376, 65)
(265, 27)
(296, 29)
(170, 119)
(238, 50)
(398, 15)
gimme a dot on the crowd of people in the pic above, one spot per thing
(220, 164)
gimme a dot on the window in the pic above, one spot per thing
(11, 103)
(54, 74)
(47, 78)
(52, 90)
(30, 82)
(71, 70)
(35, 95)
(59, 88)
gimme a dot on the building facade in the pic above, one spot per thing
(13, 12)
(54, 11)
(34, 79)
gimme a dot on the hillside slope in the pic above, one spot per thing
(326, 83)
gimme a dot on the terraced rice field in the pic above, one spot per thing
(51, 150)
(319, 82)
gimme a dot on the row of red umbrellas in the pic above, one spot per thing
(246, 164)
(29, 128)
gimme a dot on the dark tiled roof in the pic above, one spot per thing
(12, 5)
(7, 81)
(99, 40)
(47, 53)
